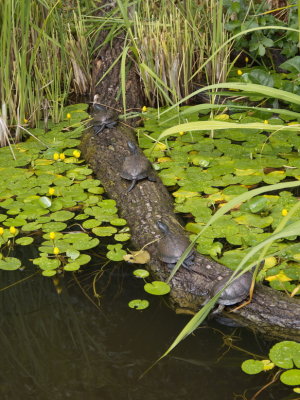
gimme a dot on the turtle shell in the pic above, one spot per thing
(135, 167)
(103, 115)
(236, 292)
(171, 247)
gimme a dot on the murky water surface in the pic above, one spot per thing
(64, 347)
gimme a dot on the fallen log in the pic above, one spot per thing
(270, 312)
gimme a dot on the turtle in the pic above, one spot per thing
(136, 167)
(235, 293)
(103, 118)
(171, 246)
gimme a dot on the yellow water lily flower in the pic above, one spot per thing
(62, 156)
(1, 231)
(144, 109)
(239, 72)
(52, 235)
(266, 121)
(56, 250)
(55, 156)
(69, 116)
(12, 230)
(284, 212)
(51, 191)
(76, 153)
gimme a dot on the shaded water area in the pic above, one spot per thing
(62, 346)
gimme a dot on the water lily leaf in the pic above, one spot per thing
(96, 190)
(157, 288)
(54, 226)
(89, 183)
(115, 253)
(10, 264)
(141, 273)
(3, 217)
(118, 221)
(291, 377)
(73, 266)
(122, 237)
(254, 220)
(31, 227)
(138, 304)
(83, 259)
(285, 354)
(46, 263)
(91, 223)
(49, 272)
(44, 202)
(104, 230)
(62, 215)
(72, 253)
(252, 367)
(14, 221)
(24, 241)
(258, 204)
(85, 244)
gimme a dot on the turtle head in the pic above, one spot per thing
(132, 147)
(98, 108)
(163, 227)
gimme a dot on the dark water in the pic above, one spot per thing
(63, 347)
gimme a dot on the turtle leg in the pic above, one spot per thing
(98, 128)
(151, 177)
(132, 185)
(112, 124)
(217, 311)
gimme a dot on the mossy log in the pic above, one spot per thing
(270, 311)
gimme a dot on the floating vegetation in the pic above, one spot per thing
(48, 197)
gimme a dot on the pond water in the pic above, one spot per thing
(64, 347)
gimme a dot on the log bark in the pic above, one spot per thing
(270, 312)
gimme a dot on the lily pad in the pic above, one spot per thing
(285, 354)
(115, 253)
(141, 273)
(138, 304)
(252, 367)
(291, 377)
(10, 263)
(24, 241)
(157, 288)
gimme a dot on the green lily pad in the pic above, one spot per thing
(291, 377)
(157, 288)
(62, 215)
(285, 354)
(54, 226)
(24, 241)
(122, 237)
(138, 304)
(49, 273)
(141, 273)
(104, 230)
(72, 253)
(46, 263)
(252, 367)
(115, 252)
(73, 266)
(10, 263)
(118, 221)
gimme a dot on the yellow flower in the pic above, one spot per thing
(266, 121)
(69, 116)
(246, 59)
(1, 231)
(51, 191)
(284, 212)
(76, 153)
(62, 156)
(56, 250)
(181, 133)
(267, 365)
(55, 156)
(52, 235)
(144, 109)
(25, 121)
(239, 72)
(12, 230)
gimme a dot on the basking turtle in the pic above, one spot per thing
(235, 293)
(103, 118)
(136, 167)
(171, 247)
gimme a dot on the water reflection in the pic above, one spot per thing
(61, 347)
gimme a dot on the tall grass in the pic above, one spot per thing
(43, 58)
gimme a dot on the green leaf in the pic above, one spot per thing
(291, 377)
(252, 367)
(10, 264)
(157, 288)
(24, 241)
(285, 354)
(138, 304)
(62, 215)
(54, 226)
(49, 273)
(73, 254)
(44, 202)
(141, 273)
(118, 221)
(46, 263)
(104, 230)
(73, 266)
(115, 252)
(292, 65)
(122, 237)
